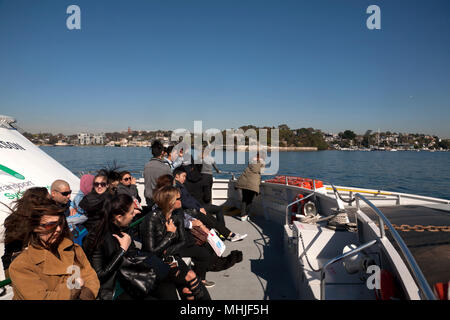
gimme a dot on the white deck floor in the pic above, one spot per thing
(262, 274)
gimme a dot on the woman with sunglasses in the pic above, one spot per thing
(163, 234)
(127, 185)
(93, 202)
(16, 221)
(52, 267)
(109, 243)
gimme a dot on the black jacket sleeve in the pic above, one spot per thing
(151, 236)
(187, 200)
(181, 231)
(104, 266)
(156, 239)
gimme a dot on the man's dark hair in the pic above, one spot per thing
(168, 150)
(178, 170)
(157, 148)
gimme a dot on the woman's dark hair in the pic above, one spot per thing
(123, 174)
(112, 207)
(46, 208)
(15, 223)
(111, 174)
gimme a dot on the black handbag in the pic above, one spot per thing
(138, 277)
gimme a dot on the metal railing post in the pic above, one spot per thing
(291, 204)
(416, 272)
(336, 259)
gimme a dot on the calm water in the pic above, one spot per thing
(424, 173)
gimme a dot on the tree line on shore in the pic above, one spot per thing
(303, 137)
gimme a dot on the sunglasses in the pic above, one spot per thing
(99, 184)
(126, 179)
(51, 225)
(179, 199)
(66, 193)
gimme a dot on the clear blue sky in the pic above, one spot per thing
(161, 64)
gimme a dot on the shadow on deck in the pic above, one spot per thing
(263, 274)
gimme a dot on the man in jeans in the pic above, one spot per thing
(155, 168)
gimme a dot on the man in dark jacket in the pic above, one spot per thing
(189, 202)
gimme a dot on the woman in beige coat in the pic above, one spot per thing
(51, 267)
(249, 183)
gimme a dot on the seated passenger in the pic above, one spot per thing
(43, 270)
(163, 234)
(189, 202)
(205, 222)
(86, 185)
(127, 185)
(60, 192)
(92, 203)
(77, 214)
(196, 185)
(15, 223)
(189, 221)
(109, 243)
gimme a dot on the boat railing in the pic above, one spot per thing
(339, 258)
(389, 196)
(383, 221)
(287, 215)
(228, 172)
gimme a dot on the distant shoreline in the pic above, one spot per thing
(246, 148)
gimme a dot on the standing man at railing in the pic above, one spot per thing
(207, 175)
(155, 168)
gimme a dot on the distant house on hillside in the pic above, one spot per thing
(89, 138)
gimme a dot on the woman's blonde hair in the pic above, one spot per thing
(165, 197)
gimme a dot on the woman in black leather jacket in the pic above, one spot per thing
(163, 234)
(106, 246)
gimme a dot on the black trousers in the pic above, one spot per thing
(207, 183)
(247, 199)
(202, 256)
(179, 280)
(210, 222)
(216, 210)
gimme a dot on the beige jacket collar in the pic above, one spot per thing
(51, 264)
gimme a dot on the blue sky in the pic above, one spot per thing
(163, 64)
